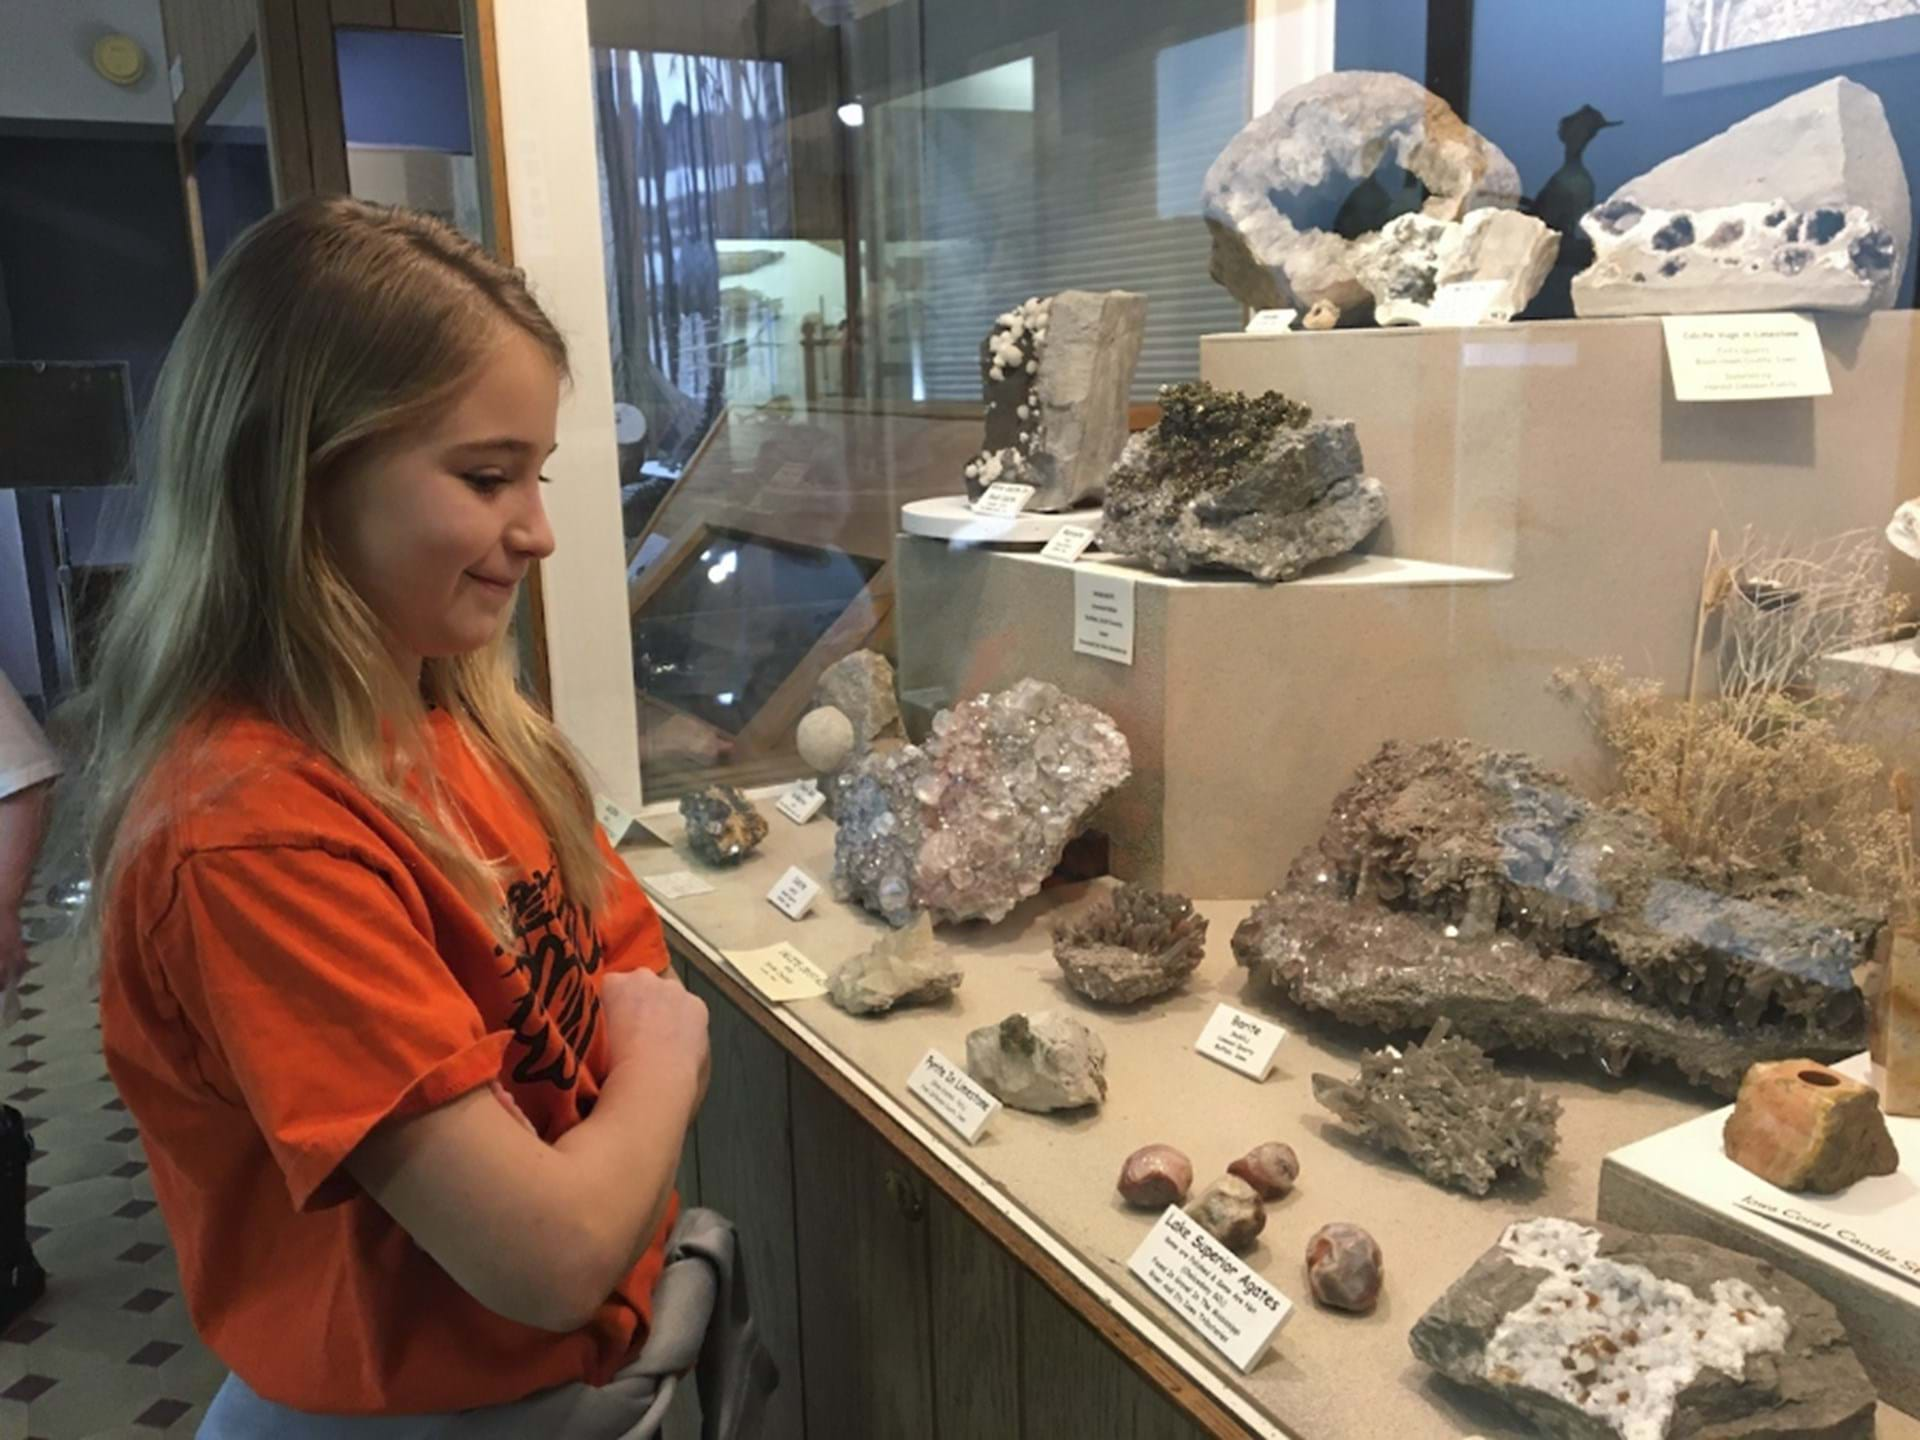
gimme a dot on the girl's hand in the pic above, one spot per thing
(656, 1023)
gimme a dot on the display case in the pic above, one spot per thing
(1261, 657)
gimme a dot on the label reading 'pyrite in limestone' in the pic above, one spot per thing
(1234, 1308)
(952, 1094)
(779, 972)
(1103, 616)
(1775, 356)
(1240, 1041)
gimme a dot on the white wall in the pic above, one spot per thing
(46, 61)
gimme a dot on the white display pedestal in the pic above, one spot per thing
(1681, 1182)
(951, 517)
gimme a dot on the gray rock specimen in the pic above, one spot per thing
(1270, 1168)
(902, 967)
(1596, 1333)
(1408, 266)
(1231, 1212)
(1458, 882)
(1345, 1268)
(1044, 1061)
(969, 825)
(1444, 1106)
(723, 828)
(1234, 482)
(1828, 147)
(1154, 1177)
(1759, 256)
(824, 739)
(1289, 192)
(1137, 943)
(1057, 373)
(860, 686)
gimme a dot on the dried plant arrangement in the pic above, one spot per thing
(1752, 769)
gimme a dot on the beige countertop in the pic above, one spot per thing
(1328, 1376)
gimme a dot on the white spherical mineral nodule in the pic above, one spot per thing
(825, 739)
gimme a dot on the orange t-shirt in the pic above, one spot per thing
(282, 971)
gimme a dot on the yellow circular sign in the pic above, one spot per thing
(119, 58)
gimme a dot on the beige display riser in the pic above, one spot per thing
(1549, 503)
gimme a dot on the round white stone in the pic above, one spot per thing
(825, 739)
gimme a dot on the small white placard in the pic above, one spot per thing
(177, 78)
(1103, 616)
(1003, 500)
(780, 972)
(1469, 302)
(1240, 1041)
(795, 893)
(801, 801)
(952, 1094)
(615, 820)
(1271, 322)
(1233, 1307)
(1068, 544)
(1892, 1247)
(677, 885)
(1745, 357)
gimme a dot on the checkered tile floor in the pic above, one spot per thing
(107, 1351)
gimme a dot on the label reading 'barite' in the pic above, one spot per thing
(1240, 1041)
(1235, 1310)
(952, 1094)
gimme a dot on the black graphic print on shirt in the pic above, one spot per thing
(556, 952)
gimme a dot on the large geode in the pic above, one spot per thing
(970, 824)
(1234, 482)
(1444, 1106)
(1472, 884)
(1595, 1333)
(1137, 943)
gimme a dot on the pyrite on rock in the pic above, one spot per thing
(1595, 1333)
(902, 967)
(1806, 1127)
(1057, 373)
(723, 828)
(1136, 944)
(1335, 159)
(1044, 1061)
(969, 825)
(1443, 1105)
(1235, 482)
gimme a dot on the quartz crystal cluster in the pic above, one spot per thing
(1443, 1105)
(902, 967)
(1228, 481)
(1472, 884)
(723, 828)
(1136, 944)
(1592, 1332)
(1056, 373)
(970, 824)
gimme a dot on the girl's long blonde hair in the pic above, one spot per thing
(328, 328)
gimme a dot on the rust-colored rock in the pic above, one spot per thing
(1345, 1267)
(1155, 1176)
(1270, 1169)
(1806, 1127)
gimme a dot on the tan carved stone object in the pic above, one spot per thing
(1806, 1127)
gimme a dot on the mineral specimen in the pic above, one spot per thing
(1595, 1333)
(1232, 482)
(1321, 315)
(1379, 140)
(1896, 1028)
(1138, 943)
(824, 739)
(722, 826)
(860, 686)
(1231, 1212)
(1044, 1061)
(1270, 1169)
(1805, 1127)
(1057, 373)
(1903, 530)
(970, 825)
(1459, 1121)
(902, 967)
(1454, 881)
(1828, 147)
(1155, 1176)
(1502, 254)
(1757, 256)
(1344, 1267)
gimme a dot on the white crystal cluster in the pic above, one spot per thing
(1014, 347)
(969, 825)
(1616, 1341)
